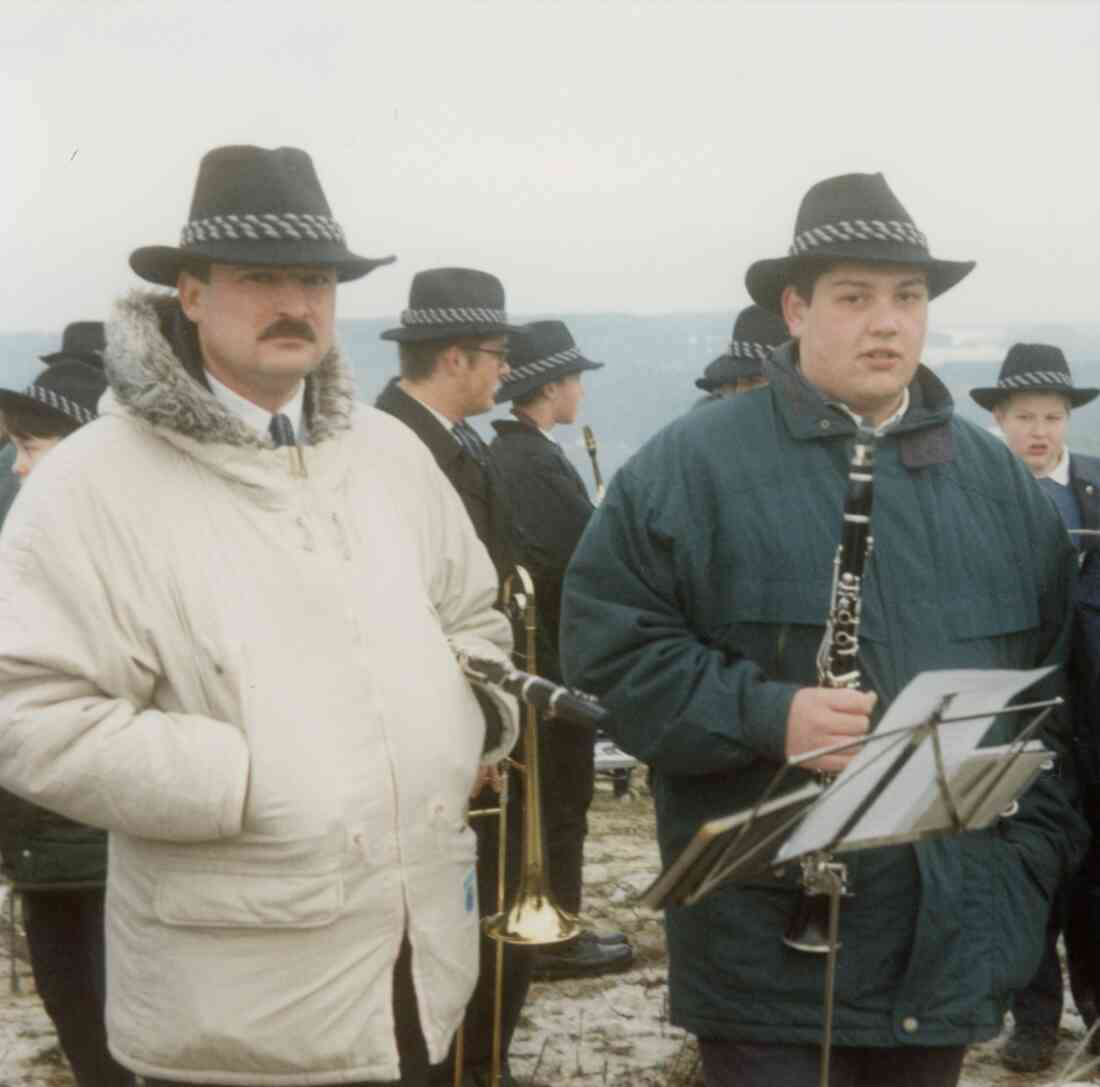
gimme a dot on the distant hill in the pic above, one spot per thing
(652, 362)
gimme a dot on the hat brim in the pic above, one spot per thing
(732, 371)
(767, 279)
(425, 333)
(162, 264)
(88, 358)
(517, 390)
(13, 401)
(989, 398)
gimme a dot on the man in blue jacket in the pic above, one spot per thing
(695, 606)
(1031, 402)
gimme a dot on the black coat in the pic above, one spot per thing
(1084, 666)
(481, 490)
(550, 509)
(1083, 904)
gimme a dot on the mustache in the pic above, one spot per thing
(288, 328)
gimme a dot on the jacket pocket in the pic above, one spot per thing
(231, 900)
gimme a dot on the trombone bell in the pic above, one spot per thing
(533, 921)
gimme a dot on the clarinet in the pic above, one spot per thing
(565, 703)
(836, 658)
(837, 666)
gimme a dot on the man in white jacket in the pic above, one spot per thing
(228, 616)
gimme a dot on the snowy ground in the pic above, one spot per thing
(605, 1032)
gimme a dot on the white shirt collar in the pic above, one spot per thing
(1060, 472)
(886, 423)
(260, 418)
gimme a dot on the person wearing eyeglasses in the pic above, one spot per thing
(453, 347)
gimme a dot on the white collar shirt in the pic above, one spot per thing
(885, 425)
(1060, 472)
(260, 418)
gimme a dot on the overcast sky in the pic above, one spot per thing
(615, 155)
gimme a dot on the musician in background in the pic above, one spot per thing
(1031, 402)
(453, 344)
(550, 508)
(756, 333)
(695, 606)
(82, 341)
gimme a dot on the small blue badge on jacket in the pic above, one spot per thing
(469, 891)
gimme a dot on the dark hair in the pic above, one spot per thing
(200, 269)
(418, 359)
(529, 398)
(33, 421)
(806, 273)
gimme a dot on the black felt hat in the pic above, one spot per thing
(756, 333)
(82, 341)
(1033, 368)
(544, 351)
(855, 217)
(256, 206)
(450, 303)
(68, 388)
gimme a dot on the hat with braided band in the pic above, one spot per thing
(855, 217)
(450, 304)
(756, 333)
(543, 352)
(252, 205)
(1033, 368)
(66, 388)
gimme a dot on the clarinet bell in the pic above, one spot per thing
(808, 928)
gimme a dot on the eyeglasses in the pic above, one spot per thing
(499, 352)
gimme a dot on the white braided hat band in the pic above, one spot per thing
(59, 403)
(454, 315)
(287, 226)
(541, 366)
(851, 230)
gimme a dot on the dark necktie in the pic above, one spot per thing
(281, 430)
(468, 438)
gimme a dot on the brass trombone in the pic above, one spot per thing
(534, 919)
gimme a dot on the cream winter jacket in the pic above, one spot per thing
(248, 678)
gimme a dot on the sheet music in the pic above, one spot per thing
(982, 692)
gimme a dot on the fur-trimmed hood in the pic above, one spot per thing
(148, 380)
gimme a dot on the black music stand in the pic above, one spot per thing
(920, 775)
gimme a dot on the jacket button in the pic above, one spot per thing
(824, 424)
(910, 1024)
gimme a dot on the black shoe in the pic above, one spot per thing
(615, 938)
(583, 957)
(1030, 1050)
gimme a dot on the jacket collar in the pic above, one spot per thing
(439, 440)
(150, 380)
(924, 435)
(515, 427)
(1084, 478)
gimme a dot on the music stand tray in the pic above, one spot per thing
(745, 842)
